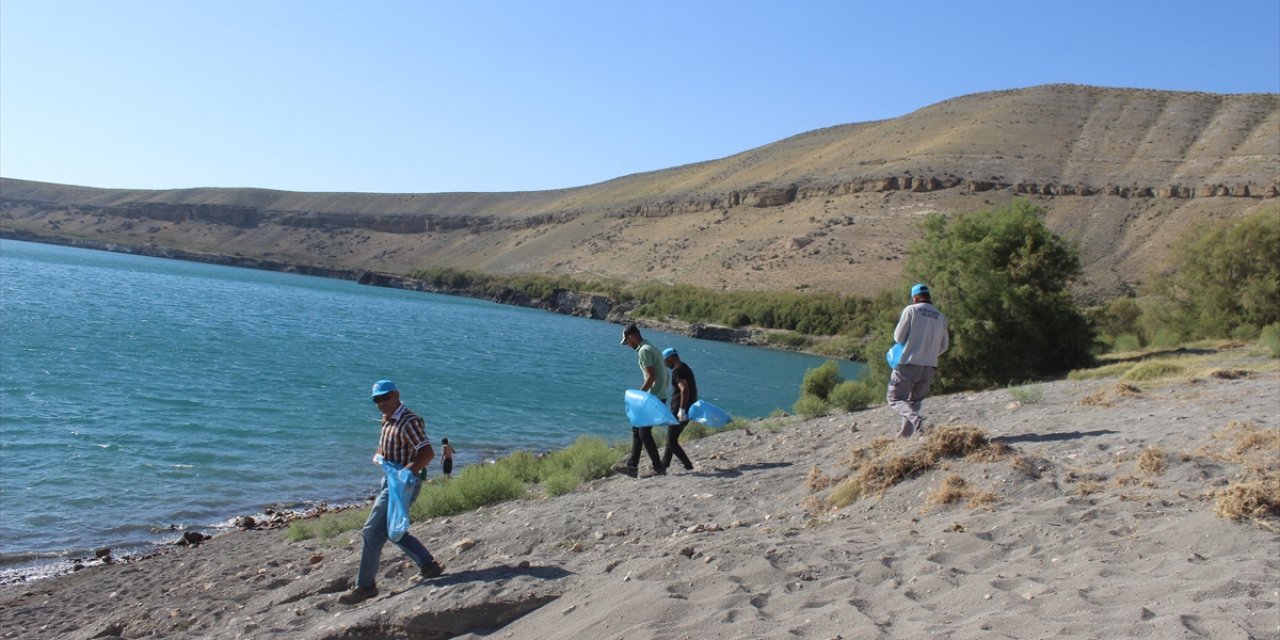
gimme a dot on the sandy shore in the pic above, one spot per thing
(1095, 519)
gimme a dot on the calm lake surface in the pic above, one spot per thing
(141, 396)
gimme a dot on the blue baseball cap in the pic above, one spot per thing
(921, 289)
(668, 352)
(382, 388)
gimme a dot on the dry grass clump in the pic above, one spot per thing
(956, 441)
(876, 468)
(1098, 398)
(1107, 397)
(955, 488)
(816, 480)
(1250, 443)
(1127, 390)
(1254, 500)
(813, 505)
(1256, 496)
(1152, 461)
(1025, 465)
(1227, 374)
(874, 450)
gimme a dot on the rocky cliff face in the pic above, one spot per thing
(1120, 172)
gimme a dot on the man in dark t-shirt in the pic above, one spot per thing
(684, 392)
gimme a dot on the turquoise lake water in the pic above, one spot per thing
(141, 396)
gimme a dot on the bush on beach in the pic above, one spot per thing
(1001, 277)
(810, 406)
(476, 486)
(1270, 339)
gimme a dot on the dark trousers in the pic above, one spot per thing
(643, 436)
(673, 446)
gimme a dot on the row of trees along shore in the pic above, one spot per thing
(1004, 281)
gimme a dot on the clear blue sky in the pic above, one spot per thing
(475, 95)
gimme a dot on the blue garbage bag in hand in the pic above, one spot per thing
(708, 414)
(400, 484)
(647, 410)
(894, 354)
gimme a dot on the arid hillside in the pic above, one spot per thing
(1121, 172)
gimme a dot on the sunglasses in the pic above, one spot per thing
(379, 399)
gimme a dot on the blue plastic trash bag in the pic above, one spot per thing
(400, 483)
(894, 355)
(708, 414)
(646, 410)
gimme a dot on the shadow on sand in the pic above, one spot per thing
(494, 574)
(739, 470)
(1051, 437)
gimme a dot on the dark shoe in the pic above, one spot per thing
(357, 595)
(626, 469)
(660, 472)
(688, 467)
(432, 570)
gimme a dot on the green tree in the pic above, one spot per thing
(1001, 276)
(1226, 279)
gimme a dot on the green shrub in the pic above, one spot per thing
(1270, 339)
(696, 431)
(1027, 393)
(789, 340)
(1226, 275)
(1151, 371)
(1167, 337)
(560, 483)
(1002, 278)
(476, 486)
(1245, 332)
(327, 526)
(1126, 342)
(523, 465)
(810, 406)
(587, 458)
(1118, 317)
(853, 396)
(1108, 371)
(819, 381)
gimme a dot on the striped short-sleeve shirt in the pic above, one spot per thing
(402, 435)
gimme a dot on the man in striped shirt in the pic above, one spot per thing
(403, 442)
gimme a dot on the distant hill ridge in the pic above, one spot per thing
(1120, 171)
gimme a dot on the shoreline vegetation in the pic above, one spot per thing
(562, 471)
(522, 474)
(1150, 483)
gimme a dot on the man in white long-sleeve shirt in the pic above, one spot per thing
(922, 330)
